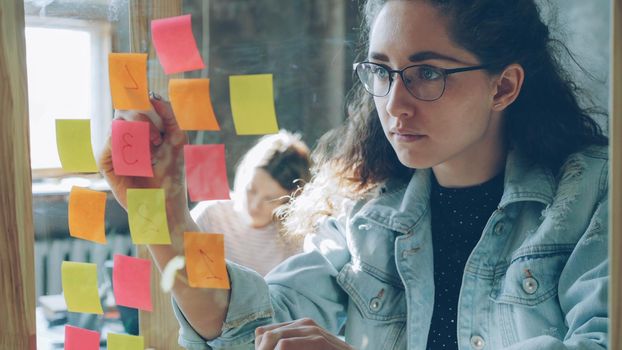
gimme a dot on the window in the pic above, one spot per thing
(67, 78)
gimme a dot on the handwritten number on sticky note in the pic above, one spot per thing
(208, 263)
(151, 226)
(129, 73)
(127, 144)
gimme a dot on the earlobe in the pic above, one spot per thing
(509, 84)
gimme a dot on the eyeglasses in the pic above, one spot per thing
(424, 82)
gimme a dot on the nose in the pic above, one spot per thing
(399, 100)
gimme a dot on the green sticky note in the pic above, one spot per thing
(125, 342)
(252, 104)
(80, 287)
(73, 141)
(146, 212)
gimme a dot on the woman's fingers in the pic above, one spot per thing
(165, 111)
(263, 329)
(270, 339)
(299, 334)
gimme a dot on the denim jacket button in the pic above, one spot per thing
(365, 227)
(375, 304)
(530, 285)
(499, 226)
(477, 342)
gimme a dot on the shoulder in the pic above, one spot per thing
(588, 169)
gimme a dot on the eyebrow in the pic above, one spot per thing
(418, 57)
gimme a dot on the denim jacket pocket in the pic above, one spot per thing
(529, 279)
(375, 297)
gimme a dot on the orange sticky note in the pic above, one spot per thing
(175, 45)
(80, 287)
(87, 209)
(206, 172)
(131, 151)
(81, 339)
(131, 282)
(252, 104)
(205, 260)
(125, 342)
(128, 81)
(192, 104)
(73, 141)
(146, 213)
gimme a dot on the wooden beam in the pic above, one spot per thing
(615, 188)
(159, 328)
(17, 289)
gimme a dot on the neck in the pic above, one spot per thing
(483, 161)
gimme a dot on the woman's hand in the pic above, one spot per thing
(302, 334)
(167, 158)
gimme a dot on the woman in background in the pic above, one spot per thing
(269, 174)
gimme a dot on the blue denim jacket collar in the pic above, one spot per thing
(524, 181)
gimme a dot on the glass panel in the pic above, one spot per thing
(308, 46)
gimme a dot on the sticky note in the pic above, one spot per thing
(252, 104)
(205, 260)
(206, 172)
(192, 104)
(73, 141)
(128, 81)
(146, 213)
(131, 152)
(175, 45)
(87, 210)
(131, 282)
(125, 342)
(80, 287)
(81, 339)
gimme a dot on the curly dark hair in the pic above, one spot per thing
(546, 123)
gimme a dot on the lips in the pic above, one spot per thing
(403, 135)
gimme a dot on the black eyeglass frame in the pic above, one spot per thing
(445, 72)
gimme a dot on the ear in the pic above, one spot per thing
(508, 86)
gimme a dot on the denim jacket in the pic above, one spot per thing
(537, 278)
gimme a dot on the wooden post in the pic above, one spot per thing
(615, 188)
(17, 292)
(159, 328)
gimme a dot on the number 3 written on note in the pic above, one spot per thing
(127, 144)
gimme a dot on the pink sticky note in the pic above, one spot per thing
(175, 45)
(131, 153)
(80, 339)
(131, 282)
(206, 172)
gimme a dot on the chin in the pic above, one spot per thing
(415, 161)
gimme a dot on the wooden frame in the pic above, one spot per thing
(160, 329)
(615, 188)
(17, 290)
(16, 223)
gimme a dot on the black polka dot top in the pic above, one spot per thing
(458, 219)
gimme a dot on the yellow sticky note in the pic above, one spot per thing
(80, 287)
(252, 104)
(192, 104)
(125, 342)
(73, 141)
(87, 210)
(205, 260)
(146, 212)
(128, 81)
